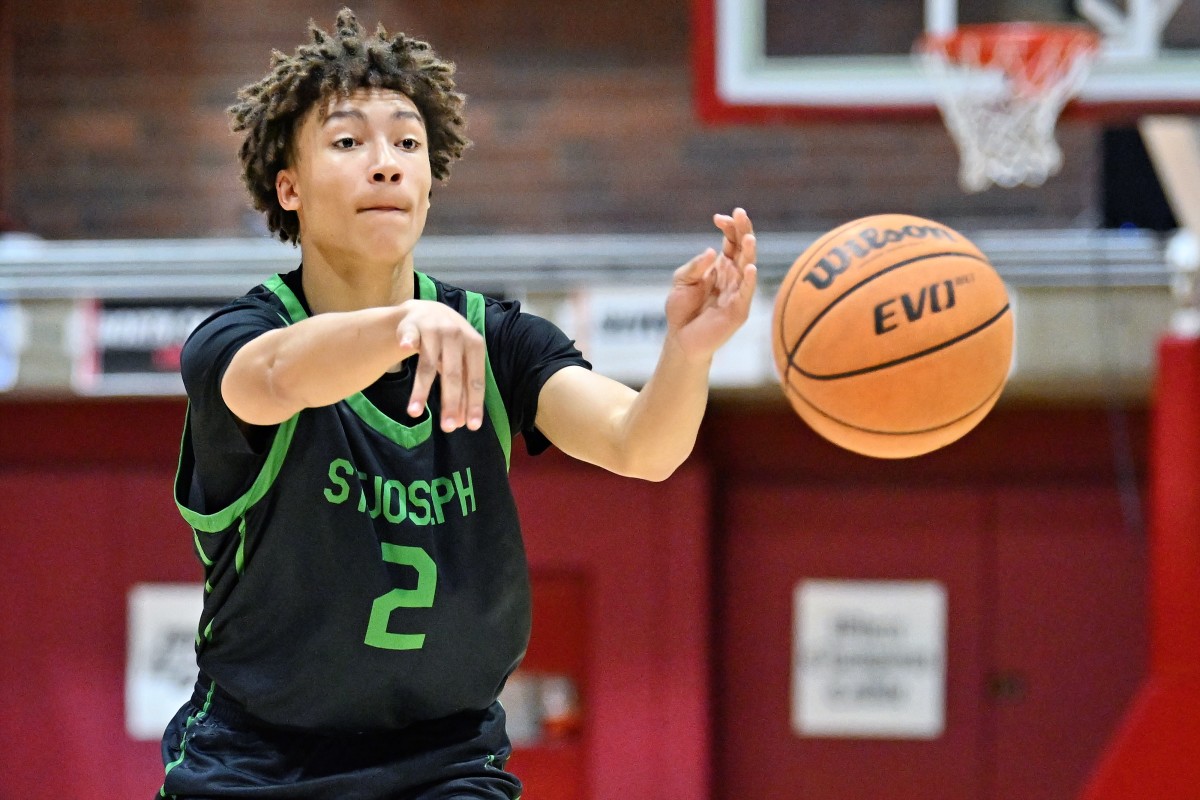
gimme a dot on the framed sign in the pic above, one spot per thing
(869, 659)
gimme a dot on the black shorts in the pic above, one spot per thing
(220, 752)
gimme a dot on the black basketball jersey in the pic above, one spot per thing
(373, 573)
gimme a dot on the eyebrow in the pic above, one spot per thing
(354, 113)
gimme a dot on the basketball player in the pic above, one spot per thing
(345, 454)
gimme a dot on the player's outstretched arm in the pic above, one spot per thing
(648, 434)
(330, 356)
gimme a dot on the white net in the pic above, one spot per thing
(1000, 91)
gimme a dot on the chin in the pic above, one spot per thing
(391, 252)
(381, 244)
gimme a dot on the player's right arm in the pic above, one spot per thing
(328, 357)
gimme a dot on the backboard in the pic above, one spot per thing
(761, 60)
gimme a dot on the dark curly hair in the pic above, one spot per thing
(271, 110)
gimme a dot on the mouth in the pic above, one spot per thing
(383, 209)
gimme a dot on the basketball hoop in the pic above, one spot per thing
(1001, 88)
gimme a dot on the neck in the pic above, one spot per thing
(340, 286)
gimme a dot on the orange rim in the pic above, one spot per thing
(1033, 55)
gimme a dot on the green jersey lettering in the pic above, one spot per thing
(466, 492)
(414, 497)
(336, 466)
(443, 491)
(378, 509)
(393, 501)
(420, 502)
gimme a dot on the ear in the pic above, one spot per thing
(287, 190)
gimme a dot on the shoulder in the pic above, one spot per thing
(508, 328)
(456, 296)
(212, 344)
(499, 313)
(254, 310)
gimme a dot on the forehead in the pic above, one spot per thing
(367, 102)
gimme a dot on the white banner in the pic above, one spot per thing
(160, 669)
(869, 659)
(621, 331)
(14, 335)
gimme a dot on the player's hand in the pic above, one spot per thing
(711, 295)
(446, 345)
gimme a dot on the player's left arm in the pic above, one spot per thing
(649, 433)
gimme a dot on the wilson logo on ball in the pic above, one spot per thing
(839, 259)
(873, 361)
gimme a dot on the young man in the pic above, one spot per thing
(344, 461)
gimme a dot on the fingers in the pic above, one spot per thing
(462, 374)
(697, 269)
(728, 227)
(744, 268)
(739, 253)
(745, 291)
(749, 253)
(409, 336)
(427, 365)
(476, 384)
(736, 228)
(738, 250)
(450, 367)
(451, 350)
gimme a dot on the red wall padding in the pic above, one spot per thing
(1030, 521)
(1156, 753)
(88, 512)
(74, 542)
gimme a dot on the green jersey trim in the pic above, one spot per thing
(223, 519)
(187, 731)
(286, 296)
(427, 290)
(492, 399)
(407, 436)
(204, 559)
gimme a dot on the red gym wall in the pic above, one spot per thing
(668, 603)
(85, 499)
(1038, 541)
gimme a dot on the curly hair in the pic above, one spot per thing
(271, 110)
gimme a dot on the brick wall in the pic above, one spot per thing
(580, 113)
(6, 108)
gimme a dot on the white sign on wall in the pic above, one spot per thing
(621, 331)
(869, 659)
(160, 669)
(14, 334)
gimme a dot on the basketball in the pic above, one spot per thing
(892, 335)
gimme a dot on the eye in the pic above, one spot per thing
(409, 143)
(344, 143)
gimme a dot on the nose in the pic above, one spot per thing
(385, 167)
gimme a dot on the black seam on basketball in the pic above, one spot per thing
(816, 249)
(994, 394)
(865, 281)
(911, 356)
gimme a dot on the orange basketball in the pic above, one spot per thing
(892, 335)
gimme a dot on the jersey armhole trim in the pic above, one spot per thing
(291, 303)
(492, 399)
(223, 519)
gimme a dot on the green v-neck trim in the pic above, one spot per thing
(409, 436)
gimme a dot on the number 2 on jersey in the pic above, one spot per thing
(421, 596)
